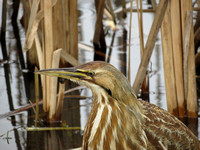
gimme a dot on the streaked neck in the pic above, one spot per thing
(112, 124)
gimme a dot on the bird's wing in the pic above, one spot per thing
(161, 126)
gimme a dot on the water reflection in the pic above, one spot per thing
(121, 40)
(99, 42)
(62, 139)
(158, 81)
(6, 67)
(52, 140)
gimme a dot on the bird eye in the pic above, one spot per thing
(91, 73)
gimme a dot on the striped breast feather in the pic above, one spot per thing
(111, 125)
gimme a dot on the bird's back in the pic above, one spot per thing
(162, 127)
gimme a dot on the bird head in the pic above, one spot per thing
(96, 75)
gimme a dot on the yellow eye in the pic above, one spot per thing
(90, 73)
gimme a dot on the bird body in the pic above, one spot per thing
(161, 126)
(104, 129)
(118, 120)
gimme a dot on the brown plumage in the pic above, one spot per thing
(118, 120)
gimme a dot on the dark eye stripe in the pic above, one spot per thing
(108, 91)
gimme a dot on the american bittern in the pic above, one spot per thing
(117, 119)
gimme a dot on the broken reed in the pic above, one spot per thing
(178, 56)
(51, 19)
(52, 41)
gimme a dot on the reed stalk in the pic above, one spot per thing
(36, 97)
(177, 54)
(188, 43)
(3, 23)
(51, 128)
(143, 10)
(129, 46)
(70, 59)
(33, 14)
(140, 24)
(111, 10)
(168, 63)
(145, 84)
(153, 3)
(150, 45)
(53, 88)
(60, 101)
(73, 28)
